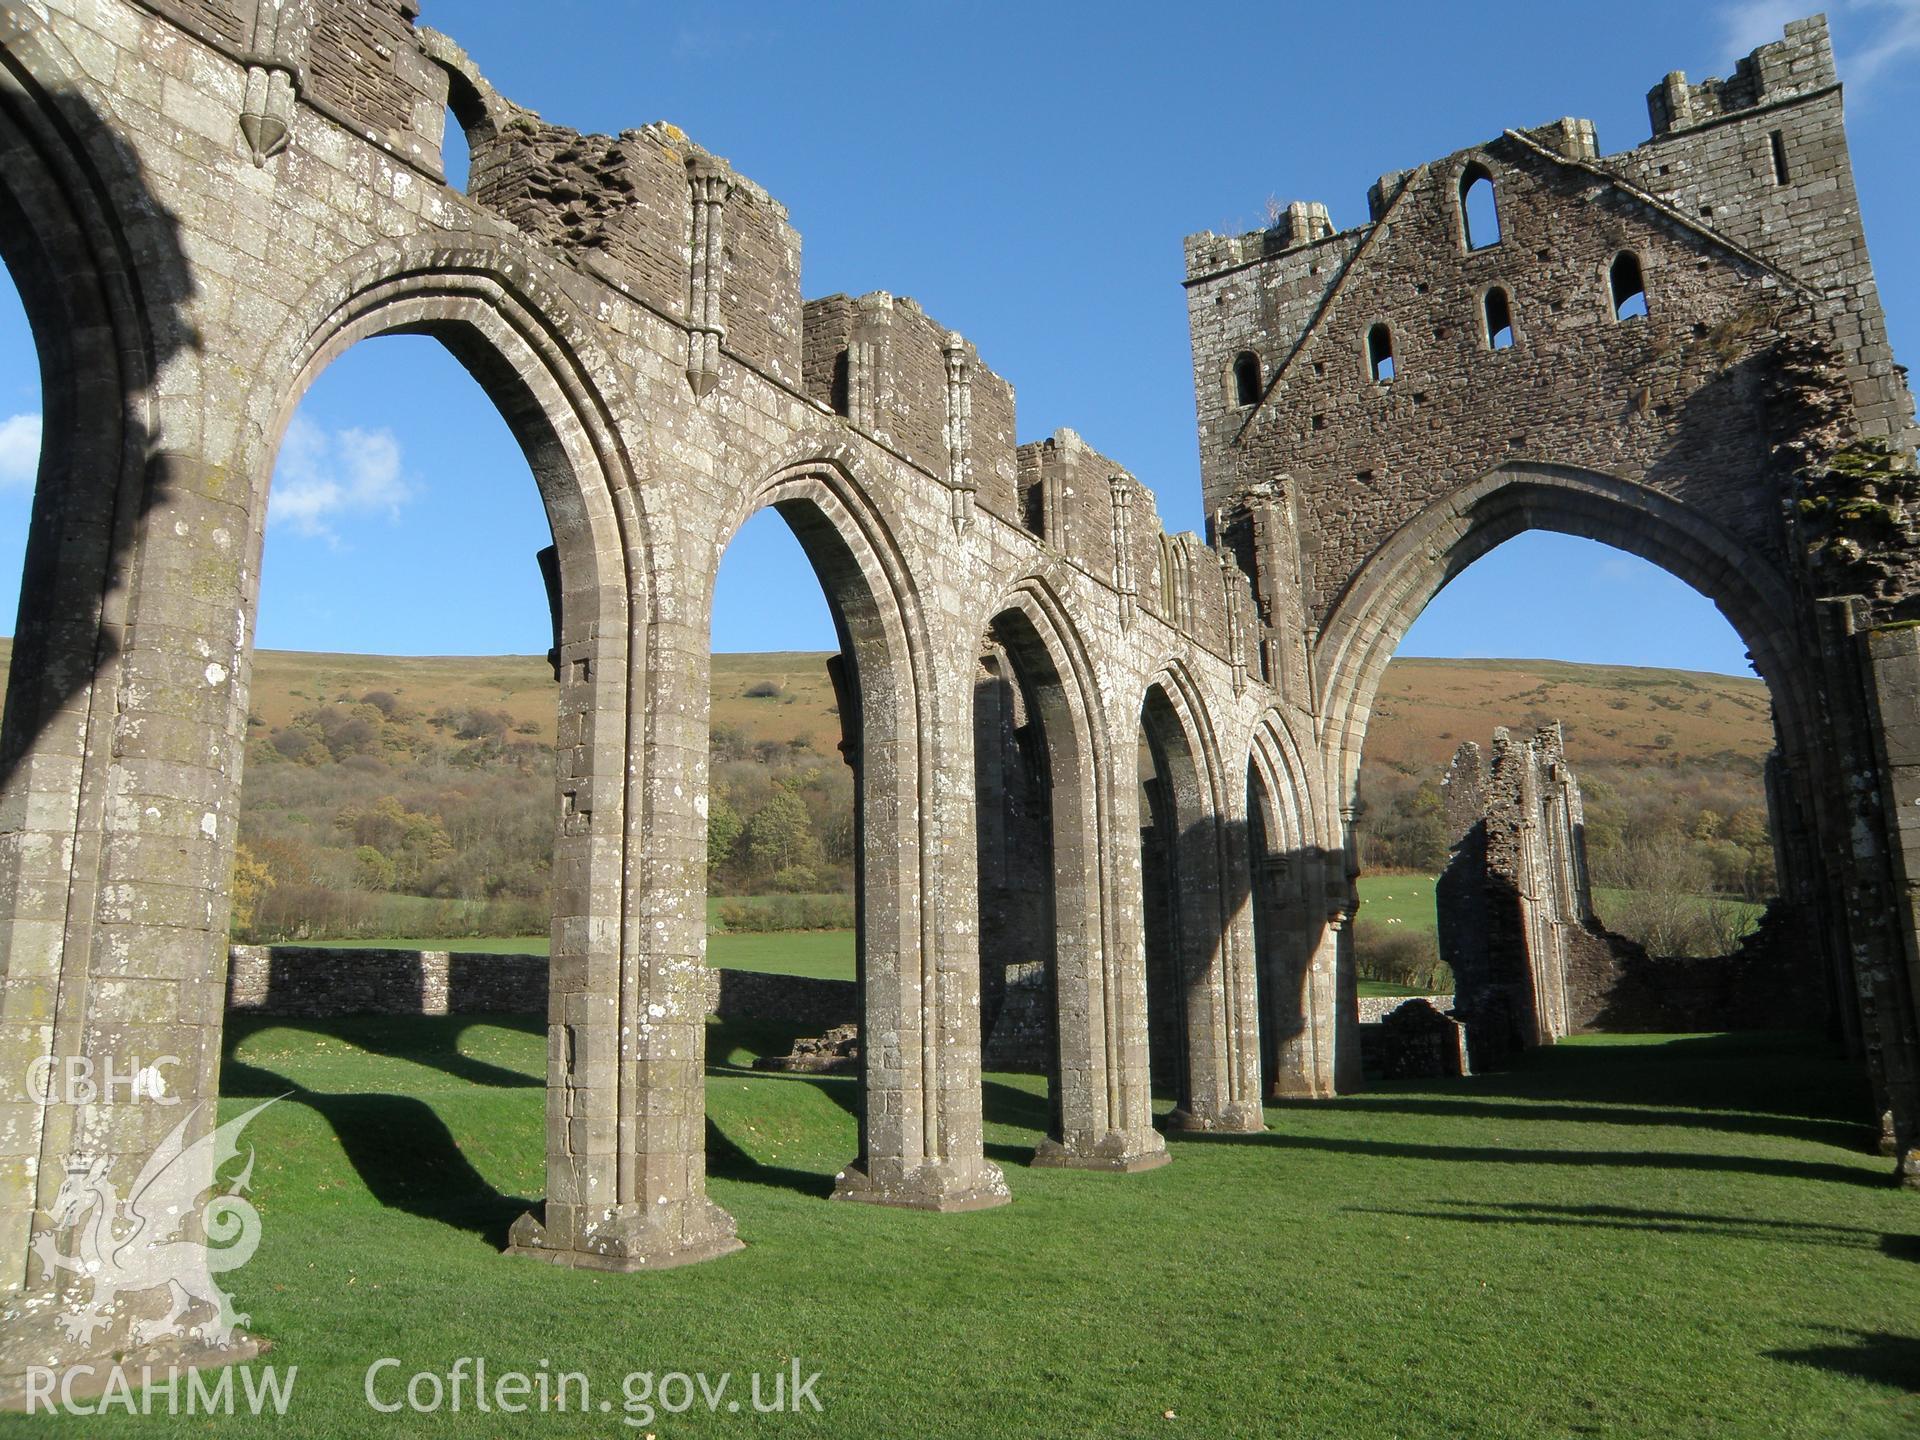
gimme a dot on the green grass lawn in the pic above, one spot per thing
(1406, 898)
(1647, 1236)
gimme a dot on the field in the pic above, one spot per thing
(1655, 1236)
(1408, 900)
(1610, 714)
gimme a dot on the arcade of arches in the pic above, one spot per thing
(1168, 726)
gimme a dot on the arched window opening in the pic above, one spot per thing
(1499, 318)
(1657, 824)
(1628, 289)
(393, 794)
(1479, 214)
(1380, 354)
(1246, 378)
(19, 442)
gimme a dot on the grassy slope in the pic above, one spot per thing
(1619, 1237)
(1612, 713)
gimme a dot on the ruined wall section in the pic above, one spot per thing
(1514, 908)
(1673, 398)
(227, 20)
(1254, 294)
(897, 373)
(1762, 159)
(364, 61)
(623, 206)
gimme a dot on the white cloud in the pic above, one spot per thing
(19, 449)
(1870, 36)
(1753, 23)
(323, 476)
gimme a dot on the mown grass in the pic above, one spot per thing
(1673, 1236)
(1408, 899)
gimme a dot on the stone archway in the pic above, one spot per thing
(595, 1212)
(1102, 1110)
(1296, 930)
(920, 1127)
(1199, 858)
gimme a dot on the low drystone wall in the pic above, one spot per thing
(309, 981)
(1375, 1008)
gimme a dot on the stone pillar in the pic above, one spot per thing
(626, 1062)
(1888, 990)
(118, 815)
(1343, 903)
(1105, 1117)
(1239, 963)
(922, 1140)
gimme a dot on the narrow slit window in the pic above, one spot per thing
(1246, 378)
(1380, 353)
(1629, 290)
(1499, 320)
(1479, 215)
(456, 160)
(1777, 143)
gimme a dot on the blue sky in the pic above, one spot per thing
(1027, 173)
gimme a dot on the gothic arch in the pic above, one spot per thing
(1104, 1110)
(1385, 596)
(509, 342)
(1209, 904)
(915, 1149)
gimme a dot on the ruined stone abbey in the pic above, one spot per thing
(1062, 720)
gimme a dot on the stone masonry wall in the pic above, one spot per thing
(314, 981)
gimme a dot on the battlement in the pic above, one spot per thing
(1786, 69)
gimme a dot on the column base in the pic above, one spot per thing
(1241, 1117)
(113, 1360)
(1115, 1151)
(628, 1238)
(1907, 1171)
(938, 1186)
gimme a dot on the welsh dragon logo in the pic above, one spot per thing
(134, 1245)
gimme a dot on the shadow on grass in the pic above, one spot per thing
(1750, 1073)
(727, 1161)
(401, 1149)
(1845, 1135)
(1663, 1222)
(1506, 1155)
(429, 1040)
(1872, 1355)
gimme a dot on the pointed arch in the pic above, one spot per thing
(1385, 596)
(1209, 929)
(920, 1142)
(1104, 1109)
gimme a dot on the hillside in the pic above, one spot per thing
(1611, 714)
(413, 795)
